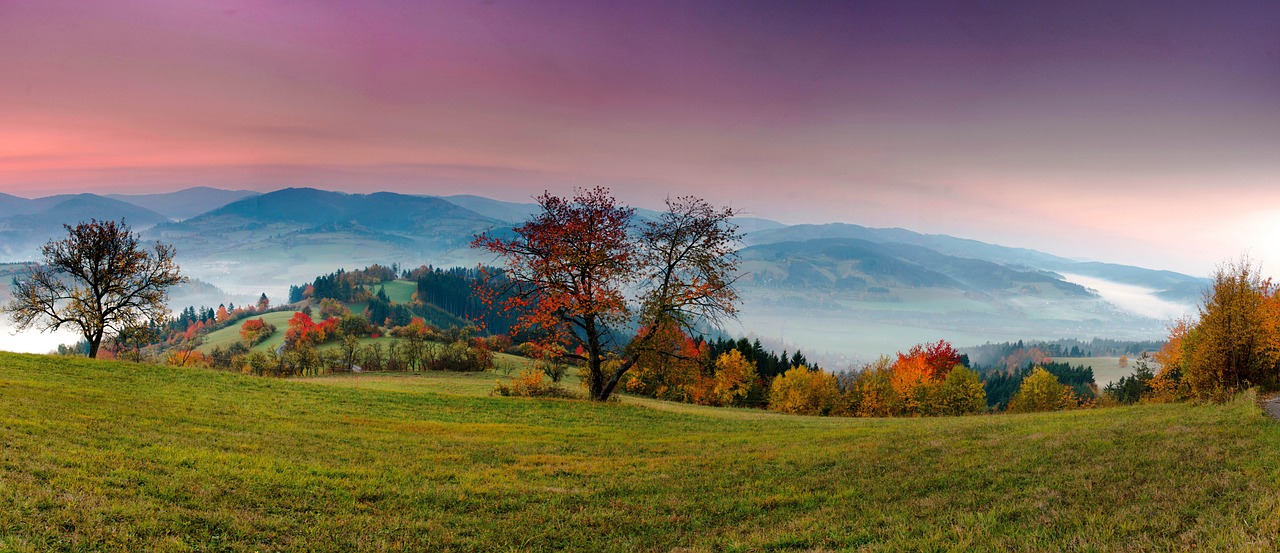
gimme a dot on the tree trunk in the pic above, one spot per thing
(94, 343)
(617, 377)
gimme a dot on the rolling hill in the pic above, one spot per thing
(841, 288)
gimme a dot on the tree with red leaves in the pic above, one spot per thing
(581, 269)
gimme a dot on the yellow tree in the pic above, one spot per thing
(803, 391)
(1168, 384)
(961, 393)
(1041, 391)
(735, 376)
(1228, 348)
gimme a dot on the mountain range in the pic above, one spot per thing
(247, 243)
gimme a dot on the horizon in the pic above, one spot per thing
(1100, 130)
(531, 201)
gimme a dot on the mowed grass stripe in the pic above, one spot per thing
(103, 455)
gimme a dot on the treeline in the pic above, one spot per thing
(344, 286)
(451, 290)
(1019, 354)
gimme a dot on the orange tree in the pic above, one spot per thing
(583, 270)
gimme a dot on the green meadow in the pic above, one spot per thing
(118, 456)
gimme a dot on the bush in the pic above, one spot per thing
(256, 331)
(531, 383)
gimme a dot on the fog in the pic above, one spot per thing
(1134, 299)
(32, 341)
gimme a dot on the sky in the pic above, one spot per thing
(1144, 133)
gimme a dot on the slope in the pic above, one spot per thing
(117, 456)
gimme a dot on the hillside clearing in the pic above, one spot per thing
(107, 455)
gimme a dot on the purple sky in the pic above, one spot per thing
(1134, 132)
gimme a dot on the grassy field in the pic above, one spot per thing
(1105, 369)
(398, 291)
(116, 456)
(225, 337)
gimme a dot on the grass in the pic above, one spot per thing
(398, 291)
(117, 456)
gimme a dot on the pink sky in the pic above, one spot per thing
(1107, 130)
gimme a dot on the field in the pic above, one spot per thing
(398, 291)
(1105, 369)
(225, 337)
(117, 456)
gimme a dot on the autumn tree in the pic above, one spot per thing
(804, 392)
(582, 269)
(961, 393)
(99, 280)
(1234, 343)
(1227, 349)
(669, 368)
(735, 376)
(1041, 391)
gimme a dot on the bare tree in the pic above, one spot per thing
(97, 280)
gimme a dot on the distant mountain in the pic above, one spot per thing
(941, 243)
(1167, 284)
(509, 212)
(13, 205)
(515, 213)
(36, 221)
(271, 240)
(863, 266)
(185, 203)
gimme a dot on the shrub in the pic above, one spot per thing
(531, 383)
(458, 356)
